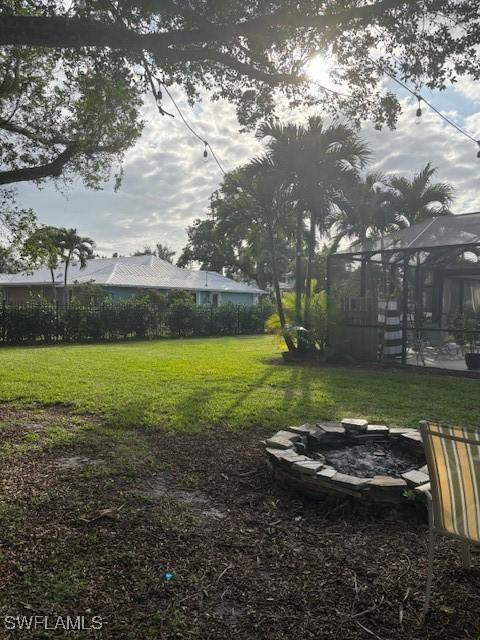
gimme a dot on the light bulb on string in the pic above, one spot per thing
(205, 152)
(478, 152)
(418, 113)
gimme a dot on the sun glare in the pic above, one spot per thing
(319, 69)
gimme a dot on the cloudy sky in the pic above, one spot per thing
(167, 183)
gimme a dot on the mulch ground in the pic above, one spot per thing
(248, 559)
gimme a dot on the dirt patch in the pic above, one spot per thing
(67, 463)
(15, 422)
(164, 485)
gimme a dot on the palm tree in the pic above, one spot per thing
(164, 252)
(270, 207)
(420, 198)
(364, 210)
(71, 246)
(359, 210)
(320, 161)
(43, 246)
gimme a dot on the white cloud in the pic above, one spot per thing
(410, 146)
(167, 184)
(469, 88)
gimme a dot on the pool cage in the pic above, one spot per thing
(411, 297)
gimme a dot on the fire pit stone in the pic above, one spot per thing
(371, 462)
(354, 425)
(283, 440)
(304, 429)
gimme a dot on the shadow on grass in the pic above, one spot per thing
(263, 401)
(273, 396)
(242, 397)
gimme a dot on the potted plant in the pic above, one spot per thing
(466, 333)
(315, 338)
(472, 338)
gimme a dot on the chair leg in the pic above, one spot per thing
(431, 550)
(466, 558)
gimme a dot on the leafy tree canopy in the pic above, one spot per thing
(233, 239)
(243, 50)
(73, 75)
(146, 251)
(16, 225)
(162, 251)
(69, 113)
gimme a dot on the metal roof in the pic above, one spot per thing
(134, 271)
(443, 231)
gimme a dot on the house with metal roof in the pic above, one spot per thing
(128, 277)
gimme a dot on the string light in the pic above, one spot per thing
(158, 96)
(418, 113)
(478, 152)
(429, 104)
(192, 130)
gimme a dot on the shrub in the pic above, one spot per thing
(29, 324)
(42, 321)
(181, 318)
(321, 321)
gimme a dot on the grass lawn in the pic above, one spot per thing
(121, 462)
(185, 385)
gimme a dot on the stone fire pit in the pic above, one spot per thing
(366, 461)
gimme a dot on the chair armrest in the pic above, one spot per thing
(425, 489)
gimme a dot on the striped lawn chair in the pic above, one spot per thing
(453, 493)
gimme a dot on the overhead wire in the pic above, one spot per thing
(421, 99)
(192, 130)
(390, 74)
(151, 80)
(157, 96)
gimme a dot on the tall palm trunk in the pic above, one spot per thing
(54, 289)
(278, 293)
(301, 344)
(298, 268)
(65, 280)
(309, 275)
(260, 275)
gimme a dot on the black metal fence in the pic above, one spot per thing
(42, 322)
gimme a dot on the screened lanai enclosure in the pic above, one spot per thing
(411, 297)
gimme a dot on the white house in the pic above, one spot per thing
(127, 277)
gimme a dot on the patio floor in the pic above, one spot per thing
(453, 362)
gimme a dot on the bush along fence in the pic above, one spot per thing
(43, 322)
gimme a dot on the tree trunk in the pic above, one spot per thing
(308, 279)
(260, 275)
(278, 293)
(65, 294)
(298, 269)
(54, 289)
(299, 282)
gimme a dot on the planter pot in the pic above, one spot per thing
(295, 356)
(472, 360)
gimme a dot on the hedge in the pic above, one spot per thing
(43, 322)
